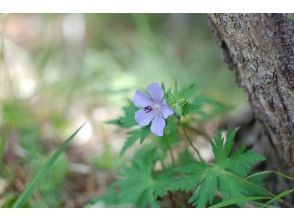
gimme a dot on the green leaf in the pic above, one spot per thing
(188, 176)
(128, 120)
(23, 198)
(187, 92)
(146, 185)
(188, 108)
(206, 190)
(206, 180)
(133, 136)
(226, 177)
(171, 133)
(179, 99)
(239, 162)
(189, 100)
(234, 186)
(222, 147)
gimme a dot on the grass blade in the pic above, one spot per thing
(237, 200)
(279, 196)
(22, 199)
(271, 171)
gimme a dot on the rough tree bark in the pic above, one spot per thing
(260, 49)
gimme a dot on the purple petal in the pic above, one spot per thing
(143, 118)
(165, 109)
(158, 124)
(141, 99)
(155, 91)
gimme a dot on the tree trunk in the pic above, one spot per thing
(260, 49)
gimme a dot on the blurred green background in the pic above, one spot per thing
(59, 70)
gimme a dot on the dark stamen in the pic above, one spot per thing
(147, 109)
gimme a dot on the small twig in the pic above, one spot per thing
(192, 145)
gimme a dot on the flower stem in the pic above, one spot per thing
(192, 145)
(172, 157)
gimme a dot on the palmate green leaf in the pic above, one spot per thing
(140, 185)
(206, 190)
(206, 180)
(221, 147)
(188, 176)
(133, 136)
(239, 162)
(43, 171)
(242, 161)
(226, 177)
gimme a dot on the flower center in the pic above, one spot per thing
(147, 109)
(156, 107)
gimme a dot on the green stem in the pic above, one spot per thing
(172, 157)
(192, 145)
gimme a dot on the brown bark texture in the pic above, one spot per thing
(260, 49)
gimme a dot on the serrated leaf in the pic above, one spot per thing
(128, 120)
(189, 108)
(144, 134)
(241, 164)
(206, 190)
(241, 161)
(187, 92)
(188, 176)
(179, 99)
(227, 176)
(133, 136)
(222, 147)
(146, 184)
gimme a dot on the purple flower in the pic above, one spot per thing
(153, 108)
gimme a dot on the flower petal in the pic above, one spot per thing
(165, 109)
(155, 91)
(141, 99)
(158, 124)
(143, 118)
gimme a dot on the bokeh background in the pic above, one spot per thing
(60, 70)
